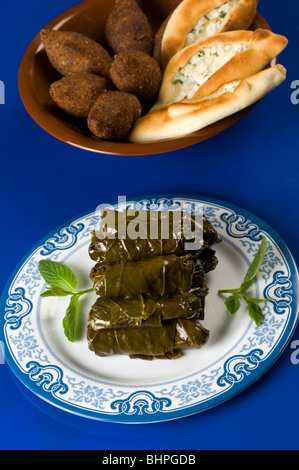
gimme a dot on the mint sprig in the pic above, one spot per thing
(62, 282)
(233, 302)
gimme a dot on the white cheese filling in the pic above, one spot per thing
(210, 24)
(202, 66)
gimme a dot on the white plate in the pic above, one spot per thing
(119, 389)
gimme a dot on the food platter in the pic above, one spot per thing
(119, 389)
(36, 74)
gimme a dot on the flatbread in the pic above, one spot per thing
(180, 119)
(196, 20)
(198, 70)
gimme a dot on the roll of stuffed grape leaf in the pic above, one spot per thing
(144, 309)
(135, 235)
(165, 341)
(162, 275)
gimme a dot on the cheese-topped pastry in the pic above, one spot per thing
(185, 117)
(196, 20)
(208, 81)
(198, 70)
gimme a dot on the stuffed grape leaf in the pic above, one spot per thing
(164, 341)
(135, 235)
(136, 311)
(163, 275)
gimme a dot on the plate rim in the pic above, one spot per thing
(196, 408)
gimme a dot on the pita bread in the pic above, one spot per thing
(196, 20)
(200, 69)
(179, 119)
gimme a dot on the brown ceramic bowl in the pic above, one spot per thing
(36, 74)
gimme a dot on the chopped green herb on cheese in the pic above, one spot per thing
(210, 23)
(202, 66)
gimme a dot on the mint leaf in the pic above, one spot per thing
(69, 320)
(255, 265)
(55, 292)
(232, 304)
(62, 282)
(57, 275)
(255, 312)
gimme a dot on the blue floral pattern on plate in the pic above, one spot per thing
(48, 376)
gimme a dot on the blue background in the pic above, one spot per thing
(44, 182)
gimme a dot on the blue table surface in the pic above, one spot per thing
(44, 182)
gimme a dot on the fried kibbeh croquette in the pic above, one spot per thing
(71, 52)
(128, 28)
(137, 73)
(113, 115)
(77, 92)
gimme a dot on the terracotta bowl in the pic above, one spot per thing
(36, 74)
